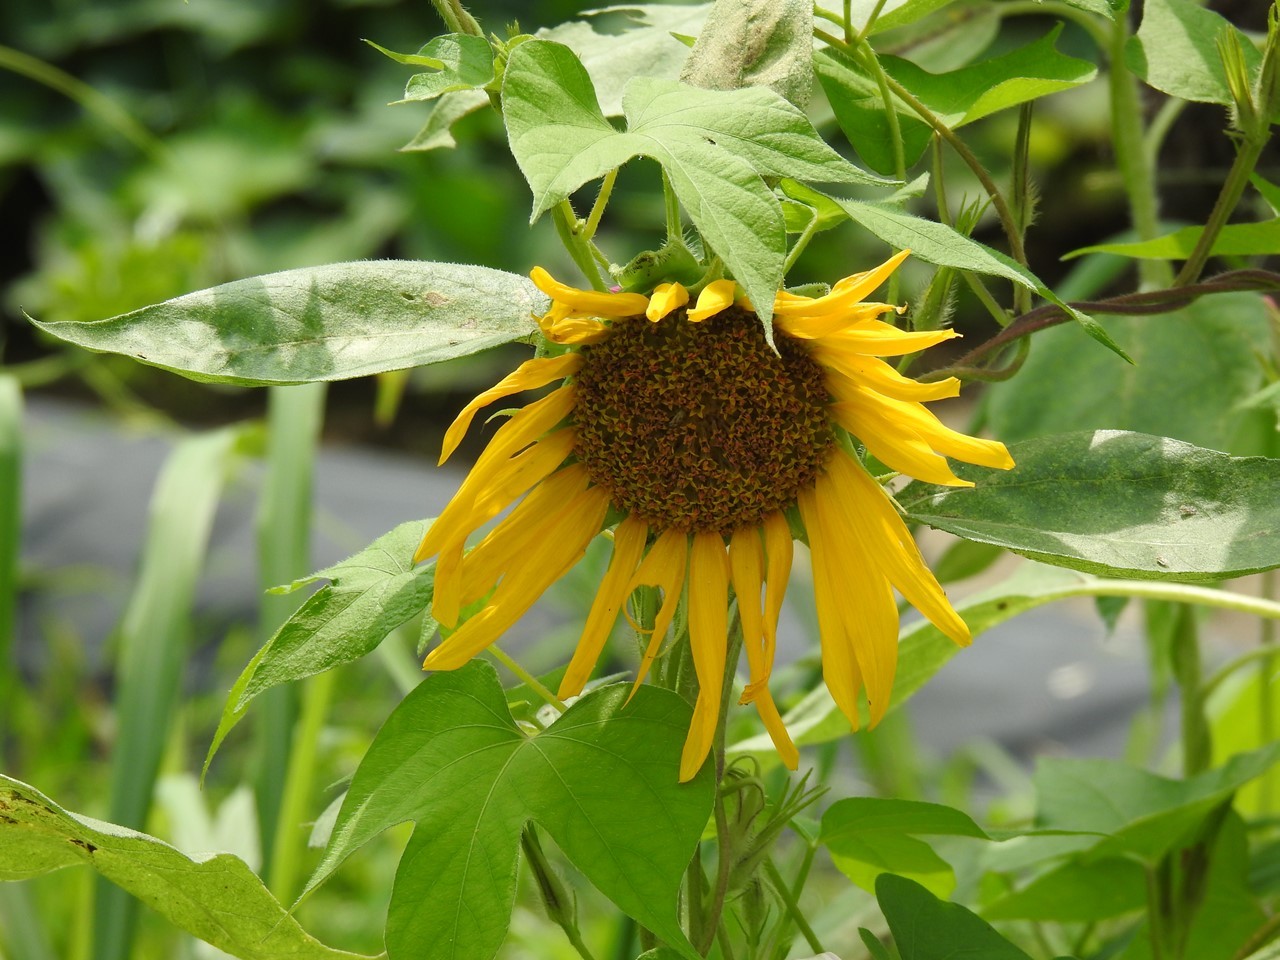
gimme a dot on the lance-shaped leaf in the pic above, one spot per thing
(368, 596)
(601, 781)
(320, 323)
(437, 132)
(215, 897)
(715, 145)
(1233, 240)
(1120, 504)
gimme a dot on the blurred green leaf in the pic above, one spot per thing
(462, 62)
(214, 897)
(451, 759)
(368, 596)
(981, 89)
(1234, 240)
(1207, 351)
(758, 43)
(715, 145)
(650, 46)
(1076, 891)
(868, 836)
(1176, 50)
(1136, 813)
(892, 13)
(323, 323)
(1120, 504)
(926, 928)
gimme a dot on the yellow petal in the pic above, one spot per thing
(833, 324)
(866, 605)
(523, 428)
(877, 375)
(715, 297)
(708, 638)
(563, 537)
(844, 295)
(628, 545)
(746, 568)
(778, 548)
(528, 376)
(662, 568)
(782, 742)
(839, 665)
(573, 329)
(875, 523)
(665, 298)
(878, 339)
(593, 303)
(894, 443)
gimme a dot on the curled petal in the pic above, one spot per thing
(665, 298)
(592, 303)
(715, 297)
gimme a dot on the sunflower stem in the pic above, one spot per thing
(527, 678)
(568, 226)
(1187, 670)
(456, 17)
(1232, 190)
(802, 241)
(602, 201)
(671, 205)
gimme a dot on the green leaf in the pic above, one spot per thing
(981, 89)
(859, 108)
(214, 897)
(868, 836)
(1269, 191)
(461, 62)
(926, 928)
(1176, 50)
(1077, 892)
(714, 145)
(945, 246)
(1118, 503)
(757, 43)
(892, 13)
(1103, 8)
(368, 596)
(320, 323)
(1137, 813)
(601, 781)
(923, 649)
(437, 132)
(649, 47)
(1207, 351)
(1234, 240)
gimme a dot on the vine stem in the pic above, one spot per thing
(793, 908)
(602, 201)
(569, 228)
(1232, 190)
(456, 17)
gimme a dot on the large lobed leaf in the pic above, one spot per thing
(215, 897)
(320, 323)
(715, 145)
(601, 781)
(1121, 504)
(758, 43)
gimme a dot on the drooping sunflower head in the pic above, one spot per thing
(683, 428)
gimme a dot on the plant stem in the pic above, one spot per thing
(555, 897)
(1007, 220)
(1187, 668)
(866, 27)
(1022, 200)
(671, 206)
(527, 678)
(1237, 179)
(569, 228)
(602, 201)
(793, 908)
(802, 241)
(1266, 703)
(1131, 158)
(1265, 652)
(456, 17)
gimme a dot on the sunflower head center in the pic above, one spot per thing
(700, 426)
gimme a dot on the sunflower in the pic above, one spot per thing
(684, 432)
